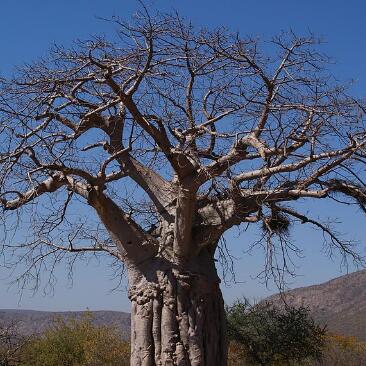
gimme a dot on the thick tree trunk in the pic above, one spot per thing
(177, 315)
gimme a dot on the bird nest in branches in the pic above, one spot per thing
(277, 223)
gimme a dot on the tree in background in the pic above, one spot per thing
(169, 136)
(264, 334)
(76, 343)
(11, 343)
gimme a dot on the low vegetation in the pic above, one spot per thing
(69, 343)
(260, 334)
(343, 351)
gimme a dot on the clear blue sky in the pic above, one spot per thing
(29, 27)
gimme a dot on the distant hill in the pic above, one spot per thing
(339, 303)
(34, 322)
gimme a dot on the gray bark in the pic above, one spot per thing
(177, 315)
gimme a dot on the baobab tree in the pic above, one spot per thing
(172, 135)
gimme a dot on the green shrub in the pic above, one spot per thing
(76, 343)
(264, 334)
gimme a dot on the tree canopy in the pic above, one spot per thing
(212, 131)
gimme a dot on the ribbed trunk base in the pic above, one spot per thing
(177, 317)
